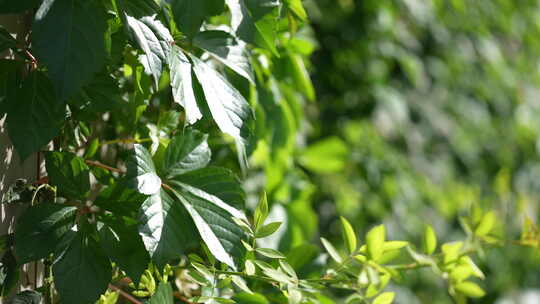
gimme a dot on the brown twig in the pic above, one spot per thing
(124, 294)
(182, 298)
(103, 166)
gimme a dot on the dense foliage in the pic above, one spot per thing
(193, 160)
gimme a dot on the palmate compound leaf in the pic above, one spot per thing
(190, 206)
(76, 52)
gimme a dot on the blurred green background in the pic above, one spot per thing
(424, 110)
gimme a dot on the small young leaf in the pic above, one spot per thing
(429, 240)
(331, 250)
(384, 298)
(375, 241)
(261, 212)
(486, 224)
(295, 295)
(249, 267)
(297, 8)
(470, 289)
(267, 229)
(288, 269)
(238, 281)
(451, 251)
(348, 234)
(271, 253)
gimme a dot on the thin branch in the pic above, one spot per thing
(125, 141)
(124, 294)
(182, 298)
(103, 166)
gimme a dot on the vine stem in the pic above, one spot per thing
(103, 166)
(124, 294)
(125, 141)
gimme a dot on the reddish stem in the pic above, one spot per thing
(124, 294)
(103, 166)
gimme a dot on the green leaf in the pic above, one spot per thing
(348, 234)
(255, 21)
(189, 15)
(451, 251)
(163, 295)
(6, 40)
(331, 250)
(102, 94)
(270, 253)
(297, 8)
(384, 298)
(34, 115)
(9, 273)
(182, 84)
(486, 224)
(328, 155)
(10, 75)
(77, 52)
(166, 228)
(470, 289)
(220, 182)
(225, 48)
(154, 40)
(120, 200)
(375, 242)
(213, 219)
(69, 173)
(82, 272)
(12, 7)
(261, 212)
(429, 240)
(267, 229)
(186, 152)
(246, 298)
(124, 246)
(249, 267)
(40, 229)
(27, 297)
(238, 281)
(141, 173)
(301, 76)
(228, 107)
(138, 8)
